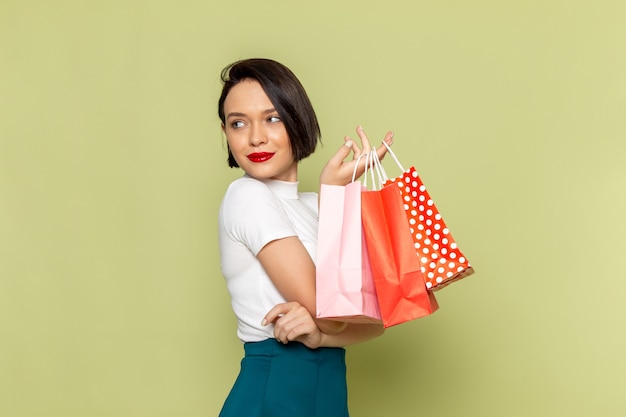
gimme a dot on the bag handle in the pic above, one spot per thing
(380, 170)
(376, 170)
(357, 165)
(373, 163)
(393, 156)
(367, 168)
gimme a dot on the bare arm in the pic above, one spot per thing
(353, 333)
(292, 271)
(293, 322)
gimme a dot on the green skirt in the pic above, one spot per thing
(289, 380)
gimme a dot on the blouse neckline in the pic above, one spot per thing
(284, 189)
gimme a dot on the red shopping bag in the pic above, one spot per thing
(344, 284)
(400, 285)
(442, 262)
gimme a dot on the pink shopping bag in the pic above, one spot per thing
(344, 285)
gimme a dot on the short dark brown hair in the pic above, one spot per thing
(286, 94)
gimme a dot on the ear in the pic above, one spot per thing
(223, 128)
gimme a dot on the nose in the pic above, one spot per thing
(257, 135)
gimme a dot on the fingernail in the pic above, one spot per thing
(359, 127)
(392, 133)
(348, 144)
(264, 322)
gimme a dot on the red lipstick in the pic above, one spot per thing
(260, 156)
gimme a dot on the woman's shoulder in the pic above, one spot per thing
(246, 186)
(247, 195)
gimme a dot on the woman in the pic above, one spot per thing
(294, 364)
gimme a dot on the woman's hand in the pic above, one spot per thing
(292, 321)
(338, 171)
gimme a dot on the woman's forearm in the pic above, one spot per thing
(352, 334)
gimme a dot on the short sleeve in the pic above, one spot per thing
(252, 215)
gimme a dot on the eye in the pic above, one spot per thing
(236, 124)
(273, 119)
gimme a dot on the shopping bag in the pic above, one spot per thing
(344, 284)
(441, 260)
(400, 285)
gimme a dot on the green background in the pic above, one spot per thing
(112, 167)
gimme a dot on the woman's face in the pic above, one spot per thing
(256, 134)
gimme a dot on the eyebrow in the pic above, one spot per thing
(238, 114)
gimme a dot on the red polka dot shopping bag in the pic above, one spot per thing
(441, 260)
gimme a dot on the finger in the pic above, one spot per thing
(295, 329)
(294, 324)
(342, 153)
(299, 331)
(389, 138)
(275, 312)
(382, 149)
(365, 143)
(285, 327)
(356, 151)
(279, 333)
